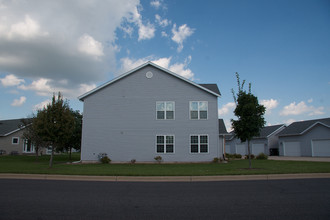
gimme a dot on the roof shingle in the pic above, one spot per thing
(297, 128)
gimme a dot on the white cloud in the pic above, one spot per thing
(162, 22)
(146, 31)
(19, 102)
(165, 62)
(289, 121)
(225, 109)
(90, 46)
(180, 35)
(164, 34)
(37, 43)
(11, 80)
(269, 104)
(27, 28)
(42, 105)
(47, 87)
(301, 108)
(156, 4)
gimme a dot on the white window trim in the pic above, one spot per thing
(24, 147)
(199, 111)
(164, 135)
(12, 140)
(199, 144)
(165, 110)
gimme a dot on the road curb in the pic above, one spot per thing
(164, 178)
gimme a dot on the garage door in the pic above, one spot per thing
(241, 149)
(321, 148)
(292, 149)
(257, 149)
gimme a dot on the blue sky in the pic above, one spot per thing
(281, 47)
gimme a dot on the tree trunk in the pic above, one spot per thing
(249, 151)
(51, 158)
(37, 152)
(70, 151)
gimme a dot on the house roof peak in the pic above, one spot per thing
(210, 88)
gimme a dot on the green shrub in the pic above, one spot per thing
(158, 159)
(234, 156)
(105, 159)
(215, 160)
(262, 156)
(247, 156)
(238, 156)
(133, 161)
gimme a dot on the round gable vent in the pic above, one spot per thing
(149, 74)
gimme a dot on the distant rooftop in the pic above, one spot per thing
(299, 127)
(9, 126)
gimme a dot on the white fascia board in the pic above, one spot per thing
(18, 129)
(82, 97)
(276, 131)
(313, 126)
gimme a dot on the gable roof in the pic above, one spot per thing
(222, 127)
(265, 132)
(210, 88)
(8, 127)
(300, 127)
(270, 130)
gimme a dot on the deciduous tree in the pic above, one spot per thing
(250, 115)
(55, 124)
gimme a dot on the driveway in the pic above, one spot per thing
(313, 159)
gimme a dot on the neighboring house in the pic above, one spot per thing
(266, 142)
(148, 112)
(11, 138)
(222, 135)
(306, 138)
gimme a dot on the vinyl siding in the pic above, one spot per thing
(120, 119)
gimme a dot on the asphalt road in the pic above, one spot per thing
(275, 199)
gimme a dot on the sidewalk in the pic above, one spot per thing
(164, 178)
(313, 159)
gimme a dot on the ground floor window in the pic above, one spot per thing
(199, 144)
(165, 144)
(28, 146)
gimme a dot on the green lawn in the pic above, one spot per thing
(27, 164)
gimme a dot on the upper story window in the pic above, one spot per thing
(198, 109)
(165, 110)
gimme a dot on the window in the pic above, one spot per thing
(165, 110)
(15, 140)
(198, 110)
(199, 144)
(28, 146)
(165, 144)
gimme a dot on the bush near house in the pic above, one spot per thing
(262, 156)
(234, 156)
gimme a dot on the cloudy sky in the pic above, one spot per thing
(282, 47)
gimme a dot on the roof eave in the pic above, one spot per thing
(85, 95)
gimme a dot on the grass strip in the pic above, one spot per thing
(28, 165)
